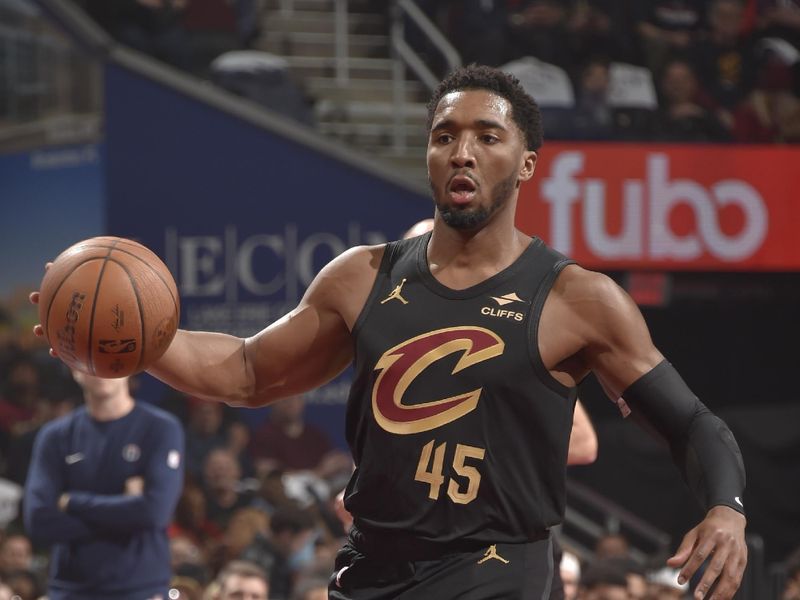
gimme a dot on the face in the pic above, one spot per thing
(206, 417)
(679, 83)
(221, 470)
(16, 554)
(726, 18)
(239, 587)
(476, 158)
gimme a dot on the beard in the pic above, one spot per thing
(467, 218)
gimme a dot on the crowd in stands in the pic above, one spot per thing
(658, 70)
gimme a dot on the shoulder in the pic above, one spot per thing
(57, 429)
(355, 261)
(577, 285)
(596, 301)
(343, 285)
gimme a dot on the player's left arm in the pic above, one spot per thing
(621, 353)
(153, 506)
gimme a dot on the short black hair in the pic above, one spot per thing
(524, 109)
(289, 518)
(603, 572)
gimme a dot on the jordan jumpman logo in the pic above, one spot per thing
(492, 553)
(396, 295)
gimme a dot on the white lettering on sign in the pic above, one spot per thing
(279, 263)
(646, 205)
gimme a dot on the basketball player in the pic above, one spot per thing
(102, 487)
(468, 344)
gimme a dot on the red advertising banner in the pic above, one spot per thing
(676, 207)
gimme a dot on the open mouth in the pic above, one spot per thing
(462, 189)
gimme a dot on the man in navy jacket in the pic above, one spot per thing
(102, 487)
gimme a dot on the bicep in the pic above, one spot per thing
(312, 344)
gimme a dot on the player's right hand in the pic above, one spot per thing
(38, 330)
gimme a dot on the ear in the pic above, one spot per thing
(528, 165)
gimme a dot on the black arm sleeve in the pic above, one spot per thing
(702, 445)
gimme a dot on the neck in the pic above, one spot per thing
(460, 259)
(109, 408)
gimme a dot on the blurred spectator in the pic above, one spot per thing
(311, 589)
(16, 554)
(185, 588)
(10, 496)
(55, 404)
(285, 442)
(682, 116)
(635, 576)
(723, 58)
(612, 545)
(666, 27)
(779, 19)
(150, 26)
(791, 590)
(24, 585)
(570, 569)
(188, 559)
(101, 490)
(265, 79)
(203, 433)
(663, 585)
(191, 518)
(20, 397)
(244, 527)
(285, 550)
(601, 26)
(603, 580)
(212, 30)
(593, 117)
(479, 30)
(208, 428)
(538, 28)
(771, 113)
(224, 490)
(241, 580)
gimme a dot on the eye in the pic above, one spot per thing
(444, 138)
(489, 138)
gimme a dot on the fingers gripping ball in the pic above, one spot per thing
(109, 307)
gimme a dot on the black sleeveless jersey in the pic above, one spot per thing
(457, 429)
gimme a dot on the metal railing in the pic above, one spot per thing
(50, 91)
(590, 515)
(406, 57)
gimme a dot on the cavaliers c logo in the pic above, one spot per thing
(402, 364)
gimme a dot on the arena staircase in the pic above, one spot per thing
(352, 78)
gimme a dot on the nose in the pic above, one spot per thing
(463, 155)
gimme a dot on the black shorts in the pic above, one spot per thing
(499, 572)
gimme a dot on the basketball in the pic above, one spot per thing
(109, 307)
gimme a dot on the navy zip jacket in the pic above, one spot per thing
(107, 544)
